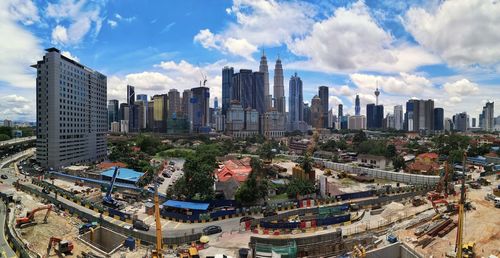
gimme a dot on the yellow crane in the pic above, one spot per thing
(159, 243)
(462, 251)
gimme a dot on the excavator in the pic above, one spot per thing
(29, 219)
(63, 246)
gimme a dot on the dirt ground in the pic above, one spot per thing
(59, 225)
(482, 226)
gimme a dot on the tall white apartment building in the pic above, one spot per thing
(71, 112)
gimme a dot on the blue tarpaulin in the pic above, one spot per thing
(186, 205)
(124, 175)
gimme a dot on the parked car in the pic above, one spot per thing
(140, 225)
(45, 191)
(210, 230)
(245, 219)
(4, 176)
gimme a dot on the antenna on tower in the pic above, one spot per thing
(204, 78)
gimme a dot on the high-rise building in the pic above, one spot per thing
(115, 127)
(419, 115)
(124, 112)
(174, 103)
(200, 114)
(389, 121)
(248, 89)
(160, 109)
(438, 119)
(398, 117)
(130, 95)
(316, 112)
(144, 99)
(374, 116)
(150, 115)
(357, 106)
(8, 123)
(307, 113)
(487, 123)
(340, 114)
(473, 122)
(113, 112)
(71, 113)
(461, 122)
(186, 96)
(273, 124)
(323, 95)
(356, 123)
(295, 100)
(448, 124)
(216, 103)
(258, 92)
(227, 81)
(264, 69)
(279, 87)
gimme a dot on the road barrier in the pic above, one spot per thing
(15, 243)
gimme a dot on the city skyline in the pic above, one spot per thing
(398, 55)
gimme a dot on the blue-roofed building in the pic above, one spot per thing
(125, 175)
(479, 160)
(186, 205)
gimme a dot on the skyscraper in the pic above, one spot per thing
(242, 88)
(130, 95)
(279, 87)
(160, 113)
(340, 113)
(488, 117)
(71, 112)
(438, 119)
(144, 99)
(398, 117)
(419, 115)
(186, 96)
(113, 112)
(316, 112)
(227, 80)
(264, 69)
(323, 95)
(357, 106)
(216, 103)
(258, 92)
(174, 103)
(307, 114)
(295, 100)
(200, 103)
(374, 116)
(461, 122)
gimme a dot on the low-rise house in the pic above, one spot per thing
(425, 163)
(373, 161)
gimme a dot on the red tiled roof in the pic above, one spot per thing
(239, 169)
(106, 165)
(428, 155)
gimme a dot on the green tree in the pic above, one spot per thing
(399, 163)
(266, 152)
(359, 137)
(456, 156)
(373, 147)
(4, 137)
(252, 190)
(390, 151)
(301, 187)
(306, 163)
(148, 144)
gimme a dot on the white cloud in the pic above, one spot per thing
(19, 48)
(351, 40)
(112, 23)
(24, 11)
(16, 107)
(462, 87)
(462, 32)
(70, 56)
(259, 23)
(81, 16)
(405, 84)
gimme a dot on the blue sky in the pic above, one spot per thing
(442, 50)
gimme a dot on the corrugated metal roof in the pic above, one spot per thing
(186, 205)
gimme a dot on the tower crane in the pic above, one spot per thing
(157, 253)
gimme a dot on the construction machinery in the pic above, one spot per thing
(439, 201)
(29, 219)
(442, 188)
(63, 246)
(108, 199)
(468, 251)
(417, 201)
(157, 253)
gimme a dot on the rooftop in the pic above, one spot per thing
(124, 174)
(186, 205)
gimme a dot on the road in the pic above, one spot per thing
(17, 140)
(5, 251)
(16, 156)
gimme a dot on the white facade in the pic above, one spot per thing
(72, 118)
(124, 126)
(398, 117)
(356, 122)
(115, 127)
(273, 124)
(8, 123)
